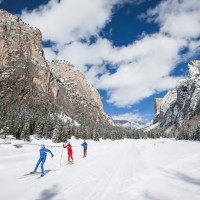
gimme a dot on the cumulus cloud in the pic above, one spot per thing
(178, 18)
(131, 117)
(145, 70)
(69, 20)
(141, 69)
(128, 73)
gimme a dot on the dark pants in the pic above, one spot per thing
(84, 152)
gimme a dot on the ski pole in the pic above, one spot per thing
(61, 156)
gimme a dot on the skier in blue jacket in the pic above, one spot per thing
(42, 159)
(84, 148)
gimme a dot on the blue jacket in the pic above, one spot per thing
(43, 153)
(84, 145)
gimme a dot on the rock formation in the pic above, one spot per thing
(27, 79)
(181, 104)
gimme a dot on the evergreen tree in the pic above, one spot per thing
(25, 132)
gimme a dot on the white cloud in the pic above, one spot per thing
(141, 68)
(131, 117)
(70, 20)
(179, 18)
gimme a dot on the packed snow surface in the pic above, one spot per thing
(162, 169)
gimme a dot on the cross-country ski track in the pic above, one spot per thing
(162, 169)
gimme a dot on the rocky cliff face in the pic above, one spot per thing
(69, 85)
(26, 78)
(181, 104)
(19, 42)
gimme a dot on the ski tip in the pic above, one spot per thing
(42, 175)
(31, 173)
(28, 174)
(69, 164)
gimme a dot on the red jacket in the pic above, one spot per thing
(69, 148)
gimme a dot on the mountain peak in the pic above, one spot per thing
(182, 103)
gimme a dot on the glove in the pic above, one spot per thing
(63, 146)
(52, 155)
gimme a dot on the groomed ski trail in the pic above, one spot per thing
(121, 170)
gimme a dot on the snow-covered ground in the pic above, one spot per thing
(162, 169)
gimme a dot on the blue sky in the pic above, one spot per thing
(132, 51)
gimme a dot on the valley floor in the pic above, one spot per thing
(162, 169)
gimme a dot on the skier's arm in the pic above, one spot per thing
(47, 150)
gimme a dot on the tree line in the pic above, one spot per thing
(22, 122)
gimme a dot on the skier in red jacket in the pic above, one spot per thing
(70, 152)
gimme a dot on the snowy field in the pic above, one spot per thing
(162, 169)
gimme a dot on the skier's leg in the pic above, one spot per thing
(68, 157)
(83, 152)
(71, 157)
(37, 165)
(42, 166)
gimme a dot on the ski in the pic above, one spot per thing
(70, 164)
(28, 174)
(31, 173)
(40, 177)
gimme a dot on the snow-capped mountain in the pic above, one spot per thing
(182, 103)
(128, 124)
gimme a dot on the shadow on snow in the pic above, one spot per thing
(183, 177)
(49, 194)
